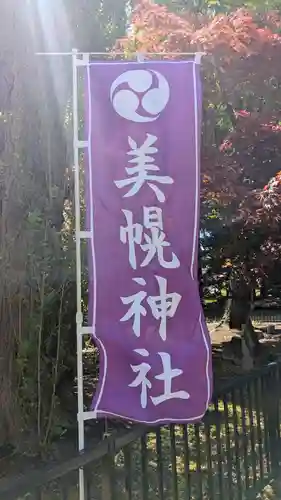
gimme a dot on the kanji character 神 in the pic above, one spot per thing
(140, 173)
(167, 376)
(154, 244)
(162, 306)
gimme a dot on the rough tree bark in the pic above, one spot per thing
(263, 289)
(238, 309)
(33, 92)
(200, 277)
(31, 179)
(9, 132)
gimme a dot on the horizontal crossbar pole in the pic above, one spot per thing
(29, 482)
(84, 234)
(111, 54)
(86, 330)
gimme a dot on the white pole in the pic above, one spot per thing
(119, 53)
(79, 315)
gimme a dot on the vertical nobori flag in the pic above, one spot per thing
(143, 206)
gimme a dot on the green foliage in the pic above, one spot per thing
(37, 247)
(219, 6)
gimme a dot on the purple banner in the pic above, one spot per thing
(143, 207)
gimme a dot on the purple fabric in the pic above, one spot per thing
(155, 365)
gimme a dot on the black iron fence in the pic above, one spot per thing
(232, 454)
(263, 316)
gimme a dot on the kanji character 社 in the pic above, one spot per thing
(167, 375)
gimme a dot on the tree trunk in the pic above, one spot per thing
(9, 421)
(32, 169)
(238, 310)
(263, 289)
(200, 277)
(9, 161)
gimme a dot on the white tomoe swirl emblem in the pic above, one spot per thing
(140, 95)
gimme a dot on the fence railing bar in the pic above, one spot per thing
(38, 495)
(257, 399)
(144, 471)
(174, 462)
(237, 447)
(245, 440)
(228, 449)
(265, 422)
(252, 434)
(278, 394)
(240, 381)
(128, 472)
(210, 465)
(159, 464)
(48, 474)
(64, 494)
(198, 462)
(219, 452)
(186, 462)
(108, 478)
(273, 418)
